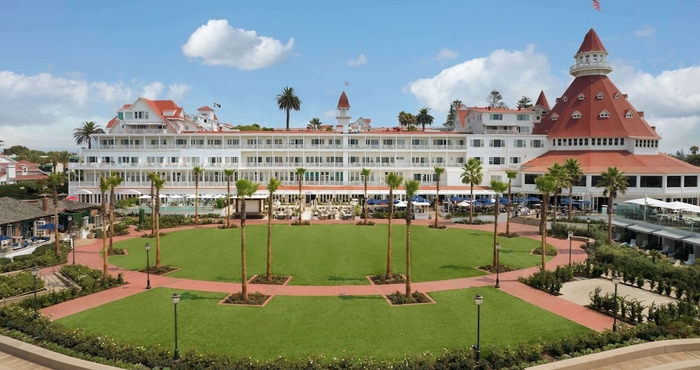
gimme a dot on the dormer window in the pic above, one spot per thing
(576, 115)
(555, 117)
(581, 96)
(629, 114)
(604, 114)
(600, 96)
(617, 95)
(564, 99)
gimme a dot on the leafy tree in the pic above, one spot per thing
(229, 175)
(546, 185)
(16, 150)
(693, 158)
(393, 181)
(113, 181)
(288, 101)
(158, 184)
(424, 118)
(452, 114)
(365, 175)
(472, 175)
(33, 156)
(272, 187)
(411, 189)
(510, 175)
(245, 189)
(406, 119)
(53, 182)
(300, 177)
(498, 187)
(104, 187)
(438, 173)
(495, 100)
(85, 134)
(315, 123)
(524, 102)
(562, 180)
(574, 173)
(613, 182)
(197, 174)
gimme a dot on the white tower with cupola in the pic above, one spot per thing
(591, 58)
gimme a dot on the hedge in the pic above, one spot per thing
(18, 284)
(43, 256)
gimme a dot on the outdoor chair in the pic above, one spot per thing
(644, 244)
(677, 263)
(665, 250)
(691, 259)
(633, 243)
(617, 237)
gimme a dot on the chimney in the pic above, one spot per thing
(653, 128)
(45, 203)
(489, 107)
(519, 108)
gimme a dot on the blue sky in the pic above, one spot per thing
(67, 62)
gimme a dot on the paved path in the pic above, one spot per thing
(88, 253)
(8, 362)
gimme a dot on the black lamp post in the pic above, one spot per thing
(72, 239)
(148, 266)
(478, 299)
(498, 264)
(588, 234)
(35, 273)
(616, 281)
(571, 238)
(176, 300)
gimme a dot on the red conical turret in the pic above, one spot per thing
(343, 101)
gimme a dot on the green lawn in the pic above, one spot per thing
(334, 326)
(328, 254)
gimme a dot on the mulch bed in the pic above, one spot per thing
(255, 299)
(276, 279)
(382, 280)
(162, 270)
(399, 299)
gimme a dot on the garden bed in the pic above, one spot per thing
(162, 270)
(255, 299)
(399, 299)
(276, 279)
(382, 280)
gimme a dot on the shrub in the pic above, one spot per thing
(475, 221)
(18, 284)
(43, 256)
(362, 223)
(398, 298)
(551, 251)
(549, 281)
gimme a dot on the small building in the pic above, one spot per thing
(12, 172)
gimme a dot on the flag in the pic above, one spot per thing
(217, 105)
(346, 83)
(596, 5)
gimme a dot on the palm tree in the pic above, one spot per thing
(300, 176)
(104, 187)
(245, 189)
(561, 179)
(365, 175)
(411, 189)
(573, 169)
(62, 157)
(471, 174)
(498, 187)
(228, 174)
(54, 181)
(288, 101)
(614, 182)
(197, 172)
(546, 184)
(393, 181)
(33, 156)
(272, 187)
(86, 133)
(424, 118)
(511, 175)
(406, 119)
(113, 181)
(53, 158)
(315, 123)
(438, 172)
(152, 176)
(158, 184)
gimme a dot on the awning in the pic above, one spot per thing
(82, 191)
(670, 234)
(643, 229)
(693, 240)
(621, 223)
(128, 191)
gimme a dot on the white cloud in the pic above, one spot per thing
(357, 62)
(329, 114)
(645, 32)
(178, 91)
(152, 90)
(446, 54)
(217, 43)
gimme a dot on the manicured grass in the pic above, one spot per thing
(328, 254)
(333, 326)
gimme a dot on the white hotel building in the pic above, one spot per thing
(592, 121)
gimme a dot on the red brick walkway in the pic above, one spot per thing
(89, 254)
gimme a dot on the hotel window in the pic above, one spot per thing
(615, 141)
(523, 117)
(128, 115)
(622, 141)
(617, 95)
(477, 143)
(213, 141)
(439, 142)
(233, 142)
(141, 115)
(520, 143)
(585, 141)
(373, 142)
(673, 181)
(581, 96)
(600, 96)
(599, 141)
(690, 181)
(497, 160)
(628, 114)
(353, 141)
(252, 142)
(569, 142)
(388, 142)
(496, 117)
(564, 99)
(174, 160)
(650, 181)
(92, 159)
(297, 142)
(515, 160)
(530, 179)
(604, 114)
(576, 115)
(197, 142)
(536, 143)
(497, 143)
(555, 117)
(317, 141)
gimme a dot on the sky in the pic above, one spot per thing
(66, 62)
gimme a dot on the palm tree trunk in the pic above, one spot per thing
(105, 266)
(228, 202)
(244, 272)
(287, 119)
(366, 206)
(111, 221)
(300, 201)
(55, 217)
(408, 250)
(196, 198)
(388, 246)
(495, 232)
(153, 206)
(571, 205)
(156, 216)
(269, 239)
(471, 204)
(556, 209)
(610, 205)
(510, 196)
(437, 201)
(545, 205)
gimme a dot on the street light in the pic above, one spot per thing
(616, 281)
(176, 300)
(588, 234)
(478, 299)
(571, 238)
(148, 267)
(35, 273)
(498, 264)
(72, 240)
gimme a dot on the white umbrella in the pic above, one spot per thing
(401, 204)
(463, 203)
(207, 196)
(646, 201)
(191, 196)
(175, 196)
(145, 196)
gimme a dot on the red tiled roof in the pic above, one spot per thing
(595, 162)
(591, 42)
(112, 122)
(343, 101)
(125, 107)
(542, 101)
(205, 108)
(162, 105)
(465, 188)
(591, 124)
(463, 117)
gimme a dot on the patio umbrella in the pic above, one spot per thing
(5, 237)
(72, 197)
(463, 203)
(485, 201)
(191, 196)
(372, 201)
(456, 199)
(49, 227)
(519, 200)
(145, 196)
(502, 200)
(400, 204)
(175, 196)
(533, 199)
(418, 198)
(586, 202)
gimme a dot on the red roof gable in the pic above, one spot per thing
(343, 101)
(542, 101)
(595, 162)
(591, 42)
(112, 122)
(205, 108)
(463, 117)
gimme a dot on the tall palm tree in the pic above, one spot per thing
(438, 172)
(561, 179)
(365, 175)
(54, 181)
(245, 189)
(158, 184)
(86, 133)
(510, 175)
(315, 123)
(228, 174)
(411, 189)
(288, 101)
(613, 182)
(300, 176)
(197, 173)
(573, 169)
(64, 158)
(114, 180)
(472, 174)
(498, 187)
(52, 157)
(424, 118)
(546, 184)
(393, 181)
(152, 176)
(272, 187)
(104, 187)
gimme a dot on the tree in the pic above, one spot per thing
(452, 114)
(546, 185)
(424, 118)
(228, 174)
(365, 176)
(300, 177)
(693, 158)
(495, 100)
(438, 172)
(393, 181)
(471, 174)
(573, 170)
(288, 101)
(315, 123)
(197, 173)
(52, 157)
(524, 102)
(158, 184)
(406, 119)
(104, 187)
(272, 187)
(85, 134)
(561, 179)
(152, 176)
(54, 181)
(113, 181)
(62, 157)
(245, 189)
(15, 149)
(613, 182)
(33, 156)
(411, 189)
(511, 175)
(498, 187)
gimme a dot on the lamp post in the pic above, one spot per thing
(478, 299)
(72, 240)
(176, 300)
(498, 264)
(588, 234)
(35, 273)
(616, 281)
(571, 238)
(148, 266)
